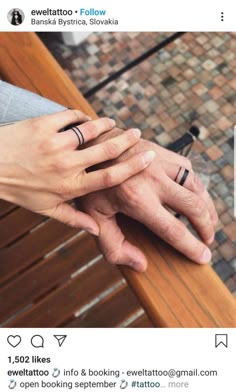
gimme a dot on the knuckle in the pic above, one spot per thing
(65, 190)
(103, 124)
(79, 114)
(132, 192)
(75, 115)
(130, 138)
(199, 207)
(72, 223)
(91, 128)
(43, 147)
(173, 233)
(112, 257)
(108, 179)
(192, 202)
(132, 166)
(111, 150)
(197, 184)
(106, 122)
(51, 143)
(63, 164)
(48, 145)
(36, 124)
(187, 163)
(138, 194)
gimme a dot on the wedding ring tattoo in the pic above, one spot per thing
(79, 135)
(181, 179)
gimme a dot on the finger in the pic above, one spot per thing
(65, 213)
(56, 121)
(192, 206)
(109, 149)
(194, 184)
(175, 157)
(116, 249)
(116, 174)
(83, 133)
(211, 207)
(173, 231)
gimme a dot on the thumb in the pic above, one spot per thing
(116, 249)
(67, 214)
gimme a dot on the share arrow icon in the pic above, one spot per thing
(60, 339)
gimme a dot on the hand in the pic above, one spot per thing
(145, 197)
(41, 169)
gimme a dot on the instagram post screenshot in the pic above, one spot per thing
(117, 196)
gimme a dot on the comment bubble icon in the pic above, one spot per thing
(37, 341)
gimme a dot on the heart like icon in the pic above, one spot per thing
(14, 341)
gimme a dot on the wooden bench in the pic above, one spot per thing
(51, 275)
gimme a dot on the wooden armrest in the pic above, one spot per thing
(174, 291)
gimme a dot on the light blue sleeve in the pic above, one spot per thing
(18, 104)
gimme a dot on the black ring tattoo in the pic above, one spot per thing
(82, 136)
(183, 179)
(79, 135)
(177, 174)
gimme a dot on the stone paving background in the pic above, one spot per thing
(190, 81)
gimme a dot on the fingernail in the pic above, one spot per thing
(88, 117)
(136, 132)
(92, 231)
(113, 123)
(206, 256)
(148, 156)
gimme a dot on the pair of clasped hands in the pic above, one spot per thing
(41, 169)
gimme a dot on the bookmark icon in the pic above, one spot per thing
(221, 339)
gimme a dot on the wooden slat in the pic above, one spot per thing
(46, 275)
(25, 62)
(16, 224)
(174, 291)
(32, 247)
(5, 207)
(60, 305)
(111, 311)
(141, 322)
